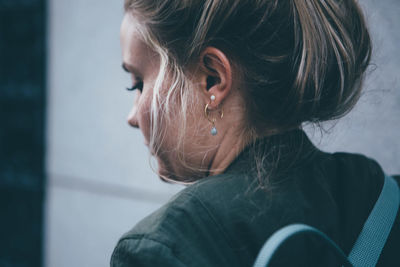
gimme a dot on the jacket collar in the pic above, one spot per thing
(279, 154)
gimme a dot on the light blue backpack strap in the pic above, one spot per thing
(288, 232)
(370, 242)
(373, 236)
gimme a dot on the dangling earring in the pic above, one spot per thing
(213, 120)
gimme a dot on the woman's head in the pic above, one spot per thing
(176, 124)
(286, 62)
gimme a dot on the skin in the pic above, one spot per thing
(202, 150)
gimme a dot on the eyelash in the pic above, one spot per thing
(138, 85)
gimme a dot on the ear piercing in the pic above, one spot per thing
(213, 120)
(213, 131)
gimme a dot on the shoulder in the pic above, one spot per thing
(346, 168)
(356, 160)
(354, 169)
(152, 241)
(182, 231)
(185, 207)
(143, 251)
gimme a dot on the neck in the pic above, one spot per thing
(227, 152)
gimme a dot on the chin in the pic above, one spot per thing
(165, 173)
(186, 178)
(165, 176)
(169, 171)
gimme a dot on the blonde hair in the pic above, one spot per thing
(301, 61)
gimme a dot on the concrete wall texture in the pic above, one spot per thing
(100, 181)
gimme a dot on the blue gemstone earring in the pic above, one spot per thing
(214, 131)
(213, 120)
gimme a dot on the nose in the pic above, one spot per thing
(132, 119)
(133, 114)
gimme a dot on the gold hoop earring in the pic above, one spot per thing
(213, 120)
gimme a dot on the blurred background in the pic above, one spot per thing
(73, 175)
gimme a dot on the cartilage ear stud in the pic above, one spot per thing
(212, 97)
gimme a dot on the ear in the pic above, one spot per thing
(215, 77)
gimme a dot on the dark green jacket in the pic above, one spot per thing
(224, 220)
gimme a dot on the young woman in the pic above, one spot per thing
(223, 89)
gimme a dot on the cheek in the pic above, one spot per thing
(143, 116)
(164, 131)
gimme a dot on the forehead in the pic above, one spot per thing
(134, 50)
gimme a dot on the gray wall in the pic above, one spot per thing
(100, 182)
(373, 127)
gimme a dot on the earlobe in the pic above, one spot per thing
(217, 75)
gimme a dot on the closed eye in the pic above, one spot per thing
(138, 85)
